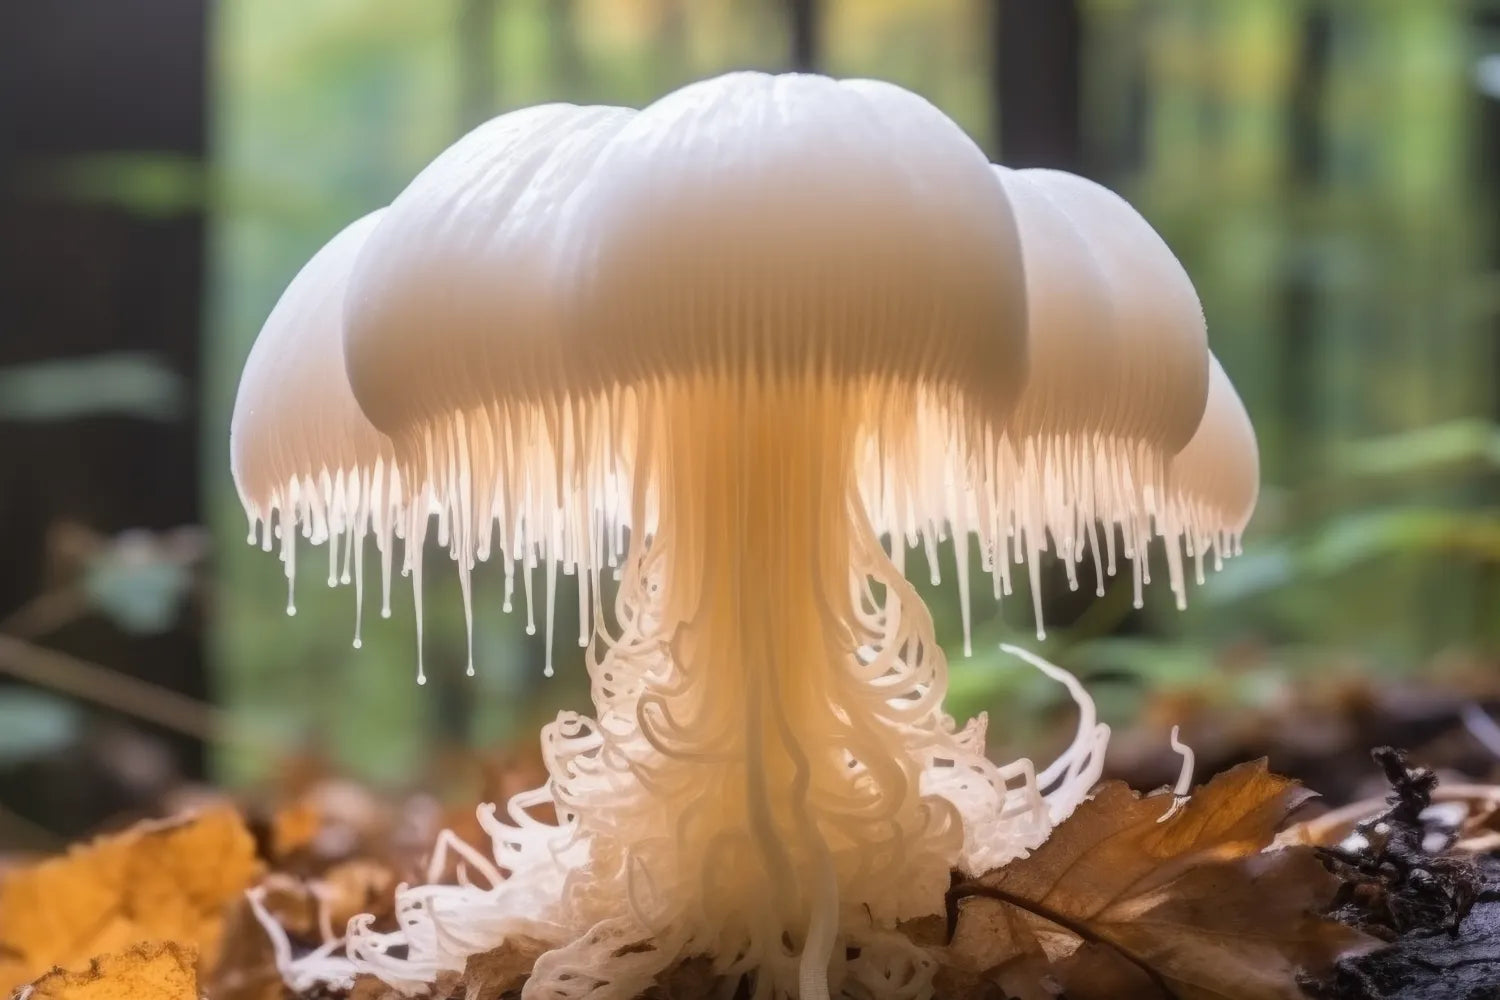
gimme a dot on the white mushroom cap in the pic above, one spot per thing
(454, 331)
(534, 296)
(1216, 478)
(301, 449)
(1070, 316)
(454, 302)
(1161, 382)
(781, 226)
(1118, 379)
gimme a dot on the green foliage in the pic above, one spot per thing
(125, 383)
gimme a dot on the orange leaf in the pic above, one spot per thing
(153, 971)
(154, 882)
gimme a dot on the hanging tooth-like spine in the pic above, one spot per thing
(333, 559)
(289, 559)
(1034, 571)
(359, 590)
(961, 574)
(386, 531)
(1093, 529)
(529, 555)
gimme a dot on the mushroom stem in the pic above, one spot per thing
(752, 702)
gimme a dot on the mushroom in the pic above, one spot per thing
(1216, 478)
(453, 329)
(704, 322)
(739, 351)
(1119, 378)
(304, 457)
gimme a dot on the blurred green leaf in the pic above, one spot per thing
(1267, 568)
(141, 579)
(34, 724)
(152, 184)
(127, 383)
(1422, 451)
(1352, 539)
(1162, 663)
(1348, 541)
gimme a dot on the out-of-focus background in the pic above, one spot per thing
(1328, 172)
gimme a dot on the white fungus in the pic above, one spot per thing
(1215, 479)
(741, 350)
(1118, 381)
(703, 322)
(304, 457)
(454, 338)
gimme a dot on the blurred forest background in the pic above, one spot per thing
(1329, 173)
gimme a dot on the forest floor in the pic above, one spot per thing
(1250, 888)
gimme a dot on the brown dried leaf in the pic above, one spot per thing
(294, 828)
(370, 988)
(154, 882)
(149, 971)
(1190, 903)
(494, 973)
(690, 979)
(246, 969)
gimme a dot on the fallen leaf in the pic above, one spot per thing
(246, 969)
(1193, 904)
(501, 970)
(447, 986)
(691, 979)
(1097, 972)
(162, 970)
(154, 882)
(370, 988)
(294, 828)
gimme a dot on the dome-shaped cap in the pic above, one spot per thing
(454, 333)
(1117, 381)
(295, 419)
(301, 449)
(1070, 316)
(454, 303)
(787, 225)
(1216, 478)
(532, 299)
(1161, 383)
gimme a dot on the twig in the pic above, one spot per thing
(1318, 829)
(45, 613)
(120, 692)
